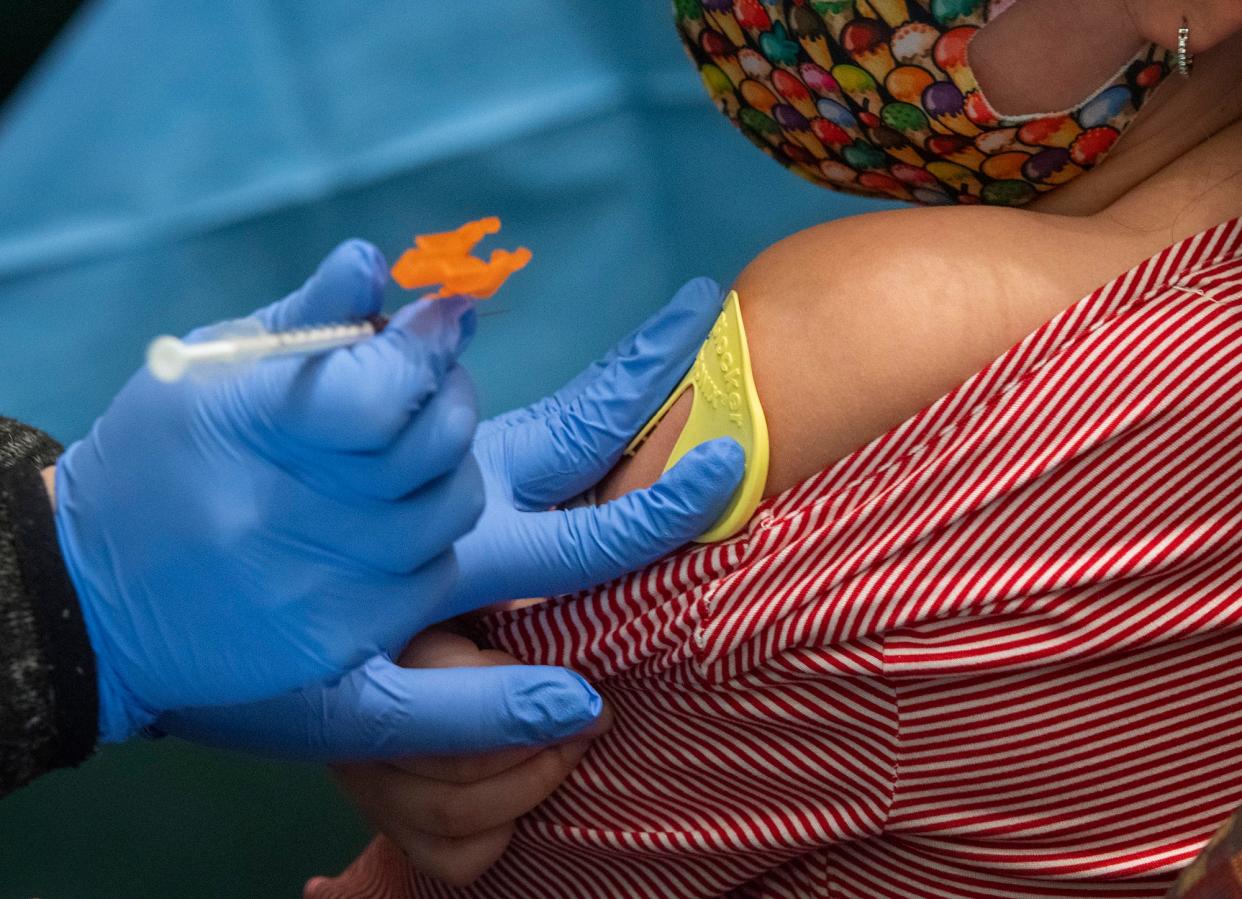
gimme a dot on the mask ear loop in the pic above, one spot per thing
(1185, 60)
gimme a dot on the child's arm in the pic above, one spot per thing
(856, 325)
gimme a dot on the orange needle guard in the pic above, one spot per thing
(445, 259)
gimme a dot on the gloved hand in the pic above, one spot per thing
(531, 458)
(554, 450)
(237, 539)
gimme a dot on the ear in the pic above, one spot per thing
(1211, 22)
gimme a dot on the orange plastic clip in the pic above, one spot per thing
(445, 259)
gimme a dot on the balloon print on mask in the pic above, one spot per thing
(878, 96)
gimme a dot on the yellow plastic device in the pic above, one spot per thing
(725, 404)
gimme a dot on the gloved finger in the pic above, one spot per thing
(598, 544)
(470, 710)
(348, 286)
(391, 537)
(433, 443)
(599, 415)
(361, 397)
(701, 298)
(442, 649)
(380, 710)
(676, 329)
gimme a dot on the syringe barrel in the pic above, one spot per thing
(317, 339)
(170, 359)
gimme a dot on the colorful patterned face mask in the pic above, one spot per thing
(878, 97)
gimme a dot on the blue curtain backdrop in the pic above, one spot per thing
(174, 162)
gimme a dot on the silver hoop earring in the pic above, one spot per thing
(1185, 60)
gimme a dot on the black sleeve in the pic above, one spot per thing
(48, 703)
(26, 30)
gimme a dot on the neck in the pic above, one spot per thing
(1179, 166)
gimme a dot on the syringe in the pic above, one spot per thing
(436, 259)
(246, 340)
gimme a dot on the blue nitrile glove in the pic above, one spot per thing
(382, 711)
(531, 458)
(554, 450)
(236, 539)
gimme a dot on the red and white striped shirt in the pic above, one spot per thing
(997, 652)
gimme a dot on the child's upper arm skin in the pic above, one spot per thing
(856, 325)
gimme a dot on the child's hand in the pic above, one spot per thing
(454, 815)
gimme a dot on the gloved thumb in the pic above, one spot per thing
(348, 286)
(380, 710)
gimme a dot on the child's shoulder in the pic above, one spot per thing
(858, 324)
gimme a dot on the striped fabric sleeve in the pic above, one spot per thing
(47, 672)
